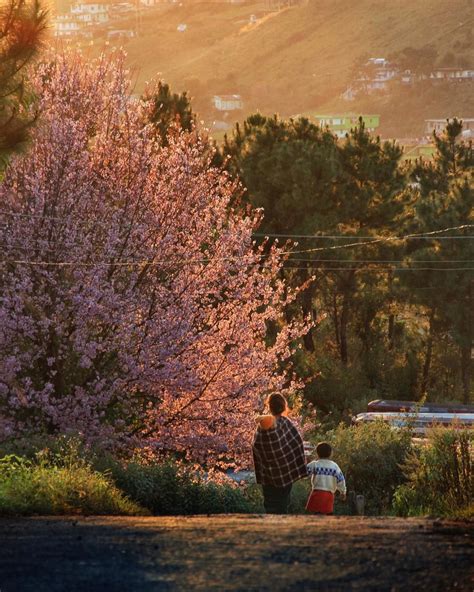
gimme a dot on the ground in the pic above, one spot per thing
(235, 552)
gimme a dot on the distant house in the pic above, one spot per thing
(181, 28)
(378, 73)
(453, 74)
(122, 7)
(341, 124)
(65, 25)
(120, 34)
(227, 102)
(150, 3)
(90, 12)
(438, 125)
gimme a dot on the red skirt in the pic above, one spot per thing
(320, 502)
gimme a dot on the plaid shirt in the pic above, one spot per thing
(278, 454)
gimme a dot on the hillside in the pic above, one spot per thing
(290, 61)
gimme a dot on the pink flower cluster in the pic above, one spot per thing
(133, 303)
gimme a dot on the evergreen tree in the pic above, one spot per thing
(445, 199)
(22, 24)
(370, 201)
(170, 108)
(288, 169)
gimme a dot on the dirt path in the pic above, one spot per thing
(235, 553)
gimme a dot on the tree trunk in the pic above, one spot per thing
(335, 316)
(391, 327)
(391, 316)
(429, 352)
(466, 361)
(343, 329)
(348, 290)
(466, 348)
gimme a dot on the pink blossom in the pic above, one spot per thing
(155, 331)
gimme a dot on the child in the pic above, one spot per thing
(326, 479)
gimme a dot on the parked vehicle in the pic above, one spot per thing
(388, 405)
(418, 422)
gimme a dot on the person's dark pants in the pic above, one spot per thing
(276, 499)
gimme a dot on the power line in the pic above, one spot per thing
(235, 258)
(421, 235)
(295, 260)
(347, 237)
(376, 261)
(155, 263)
(384, 239)
(365, 268)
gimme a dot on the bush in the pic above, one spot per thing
(370, 456)
(43, 487)
(440, 477)
(170, 489)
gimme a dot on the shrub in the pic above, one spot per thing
(42, 487)
(370, 456)
(170, 489)
(440, 477)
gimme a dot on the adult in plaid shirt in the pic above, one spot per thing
(278, 455)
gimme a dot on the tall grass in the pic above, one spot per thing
(48, 488)
(440, 477)
(370, 456)
(168, 489)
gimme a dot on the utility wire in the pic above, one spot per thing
(295, 260)
(385, 268)
(235, 258)
(384, 239)
(421, 235)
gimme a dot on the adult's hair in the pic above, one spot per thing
(323, 450)
(276, 403)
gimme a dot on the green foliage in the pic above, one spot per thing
(370, 456)
(170, 489)
(47, 487)
(299, 496)
(170, 109)
(440, 477)
(444, 199)
(394, 320)
(22, 25)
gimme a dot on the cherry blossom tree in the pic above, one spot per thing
(134, 304)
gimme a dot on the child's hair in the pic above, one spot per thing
(276, 403)
(323, 450)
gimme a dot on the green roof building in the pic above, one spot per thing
(342, 124)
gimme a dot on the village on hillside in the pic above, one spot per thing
(99, 22)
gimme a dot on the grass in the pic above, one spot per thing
(43, 488)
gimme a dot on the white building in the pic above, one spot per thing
(120, 34)
(438, 125)
(460, 74)
(379, 73)
(227, 102)
(65, 25)
(91, 12)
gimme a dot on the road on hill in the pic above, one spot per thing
(235, 552)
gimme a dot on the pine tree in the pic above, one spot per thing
(370, 201)
(170, 108)
(288, 169)
(445, 199)
(22, 25)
